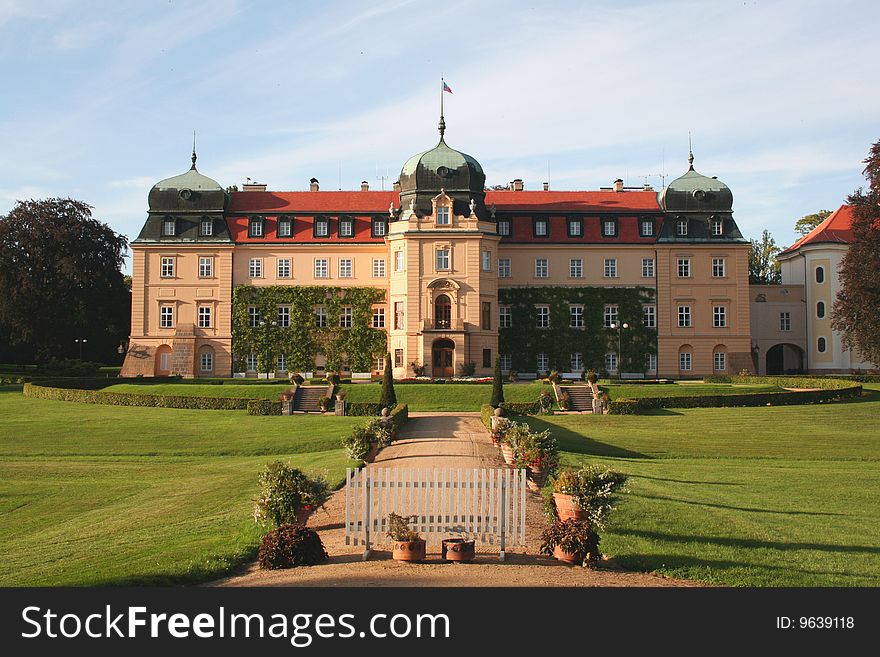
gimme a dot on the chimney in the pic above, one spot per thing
(546, 187)
(313, 185)
(396, 186)
(365, 186)
(253, 187)
(648, 187)
(516, 185)
(618, 185)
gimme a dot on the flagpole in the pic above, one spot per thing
(442, 82)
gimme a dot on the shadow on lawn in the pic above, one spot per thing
(747, 542)
(737, 508)
(576, 443)
(688, 481)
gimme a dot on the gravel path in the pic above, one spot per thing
(443, 440)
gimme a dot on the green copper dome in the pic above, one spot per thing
(694, 192)
(188, 192)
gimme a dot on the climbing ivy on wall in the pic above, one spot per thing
(524, 340)
(358, 346)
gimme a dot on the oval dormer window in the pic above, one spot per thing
(699, 194)
(442, 172)
(185, 194)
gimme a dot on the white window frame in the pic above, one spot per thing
(647, 228)
(684, 268)
(378, 229)
(685, 317)
(542, 227)
(785, 321)
(542, 362)
(255, 268)
(719, 361)
(346, 317)
(575, 228)
(320, 316)
(647, 267)
(486, 260)
(610, 268)
(576, 268)
(505, 318)
(576, 361)
(443, 258)
(398, 260)
(166, 223)
(681, 227)
(609, 228)
(542, 268)
(719, 316)
(651, 362)
(611, 363)
(281, 363)
(206, 362)
(284, 268)
(378, 317)
(503, 227)
(649, 316)
(444, 216)
(346, 227)
(378, 267)
(166, 316)
(685, 361)
(206, 267)
(285, 227)
(206, 227)
(255, 227)
(254, 316)
(205, 316)
(503, 267)
(322, 227)
(719, 267)
(542, 317)
(611, 314)
(250, 363)
(346, 267)
(322, 268)
(717, 227)
(167, 265)
(576, 316)
(283, 316)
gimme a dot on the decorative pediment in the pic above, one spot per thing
(443, 284)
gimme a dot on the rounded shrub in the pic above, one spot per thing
(290, 546)
(286, 492)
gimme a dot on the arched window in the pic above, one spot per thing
(820, 309)
(442, 312)
(821, 345)
(820, 274)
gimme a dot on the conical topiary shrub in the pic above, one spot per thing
(497, 385)
(388, 399)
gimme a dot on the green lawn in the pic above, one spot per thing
(93, 494)
(779, 496)
(637, 391)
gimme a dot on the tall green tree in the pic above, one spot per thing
(808, 222)
(389, 397)
(763, 268)
(497, 385)
(856, 311)
(60, 280)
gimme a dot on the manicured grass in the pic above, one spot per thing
(267, 391)
(636, 391)
(778, 496)
(445, 396)
(93, 494)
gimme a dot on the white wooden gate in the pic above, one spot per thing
(484, 505)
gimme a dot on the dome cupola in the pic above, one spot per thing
(188, 192)
(694, 192)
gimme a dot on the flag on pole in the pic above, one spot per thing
(446, 87)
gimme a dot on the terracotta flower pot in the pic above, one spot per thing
(537, 477)
(409, 550)
(507, 453)
(302, 515)
(374, 450)
(567, 557)
(566, 509)
(496, 441)
(458, 549)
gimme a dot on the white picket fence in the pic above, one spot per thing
(484, 505)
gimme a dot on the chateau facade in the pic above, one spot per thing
(441, 272)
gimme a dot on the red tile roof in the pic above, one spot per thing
(837, 228)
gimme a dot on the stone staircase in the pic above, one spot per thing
(581, 397)
(306, 399)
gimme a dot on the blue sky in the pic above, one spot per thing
(100, 99)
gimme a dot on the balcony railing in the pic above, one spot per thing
(443, 325)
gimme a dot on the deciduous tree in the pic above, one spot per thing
(808, 222)
(763, 268)
(856, 311)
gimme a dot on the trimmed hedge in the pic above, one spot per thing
(263, 407)
(823, 383)
(522, 408)
(399, 416)
(363, 408)
(94, 395)
(486, 413)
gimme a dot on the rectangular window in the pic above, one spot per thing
(575, 228)
(204, 316)
(281, 363)
(206, 229)
(543, 363)
(576, 360)
(717, 230)
(610, 316)
(398, 358)
(486, 260)
(442, 259)
(322, 268)
(542, 315)
(718, 268)
(284, 267)
(487, 358)
(283, 316)
(719, 316)
(442, 216)
(398, 315)
(651, 362)
(611, 362)
(647, 228)
(379, 268)
(250, 362)
(503, 267)
(345, 268)
(379, 227)
(253, 316)
(785, 321)
(576, 268)
(649, 316)
(684, 317)
(320, 317)
(322, 227)
(609, 228)
(503, 227)
(610, 268)
(684, 267)
(506, 361)
(720, 359)
(647, 267)
(504, 317)
(285, 228)
(255, 227)
(346, 227)
(542, 269)
(398, 261)
(684, 361)
(166, 317)
(345, 317)
(206, 267)
(681, 227)
(486, 315)
(166, 268)
(168, 227)
(576, 316)
(207, 361)
(541, 228)
(380, 364)
(379, 317)
(255, 268)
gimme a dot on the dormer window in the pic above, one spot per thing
(346, 227)
(609, 228)
(322, 227)
(255, 227)
(647, 228)
(541, 228)
(168, 227)
(717, 227)
(206, 227)
(380, 227)
(285, 227)
(681, 227)
(575, 228)
(504, 227)
(442, 216)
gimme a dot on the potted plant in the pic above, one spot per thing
(408, 544)
(500, 427)
(538, 453)
(324, 404)
(565, 401)
(361, 444)
(545, 401)
(458, 550)
(592, 377)
(288, 495)
(588, 493)
(513, 376)
(513, 435)
(554, 377)
(571, 541)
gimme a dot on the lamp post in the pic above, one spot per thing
(80, 342)
(268, 328)
(619, 328)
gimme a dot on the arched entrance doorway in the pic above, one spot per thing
(785, 359)
(163, 361)
(442, 358)
(442, 312)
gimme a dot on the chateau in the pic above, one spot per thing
(443, 273)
